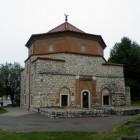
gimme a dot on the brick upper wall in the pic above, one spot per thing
(65, 44)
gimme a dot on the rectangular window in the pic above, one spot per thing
(31, 99)
(106, 100)
(64, 100)
(25, 99)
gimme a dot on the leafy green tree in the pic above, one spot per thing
(127, 52)
(10, 80)
(1, 90)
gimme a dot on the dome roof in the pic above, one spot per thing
(65, 27)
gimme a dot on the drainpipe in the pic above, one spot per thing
(29, 81)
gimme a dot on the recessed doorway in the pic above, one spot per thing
(85, 99)
(64, 100)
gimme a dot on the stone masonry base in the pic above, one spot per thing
(93, 112)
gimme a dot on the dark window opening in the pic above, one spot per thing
(64, 100)
(106, 100)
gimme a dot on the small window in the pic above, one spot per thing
(31, 100)
(83, 48)
(106, 100)
(106, 97)
(25, 99)
(51, 47)
(64, 100)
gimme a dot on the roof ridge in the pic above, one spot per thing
(76, 27)
(55, 28)
(66, 26)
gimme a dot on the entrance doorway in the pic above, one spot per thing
(85, 99)
(64, 100)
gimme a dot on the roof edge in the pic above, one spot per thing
(77, 34)
(45, 58)
(65, 53)
(112, 64)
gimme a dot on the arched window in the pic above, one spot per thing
(64, 97)
(106, 99)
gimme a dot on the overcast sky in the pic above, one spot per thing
(112, 19)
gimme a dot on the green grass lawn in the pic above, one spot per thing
(120, 130)
(2, 110)
(135, 103)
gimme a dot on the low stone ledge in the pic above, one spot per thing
(125, 112)
(72, 113)
(93, 112)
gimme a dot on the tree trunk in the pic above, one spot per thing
(12, 98)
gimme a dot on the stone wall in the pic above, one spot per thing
(128, 96)
(72, 113)
(49, 66)
(22, 85)
(48, 87)
(88, 65)
(48, 77)
(24, 93)
(92, 112)
(116, 87)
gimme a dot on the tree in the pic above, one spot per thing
(10, 80)
(127, 52)
(1, 94)
(2, 91)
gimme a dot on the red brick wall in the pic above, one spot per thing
(66, 44)
(86, 84)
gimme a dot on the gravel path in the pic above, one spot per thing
(21, 120)
(15, 111)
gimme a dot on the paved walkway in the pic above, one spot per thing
(15, 111)
(20, 120)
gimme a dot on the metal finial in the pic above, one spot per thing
(66, 17)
